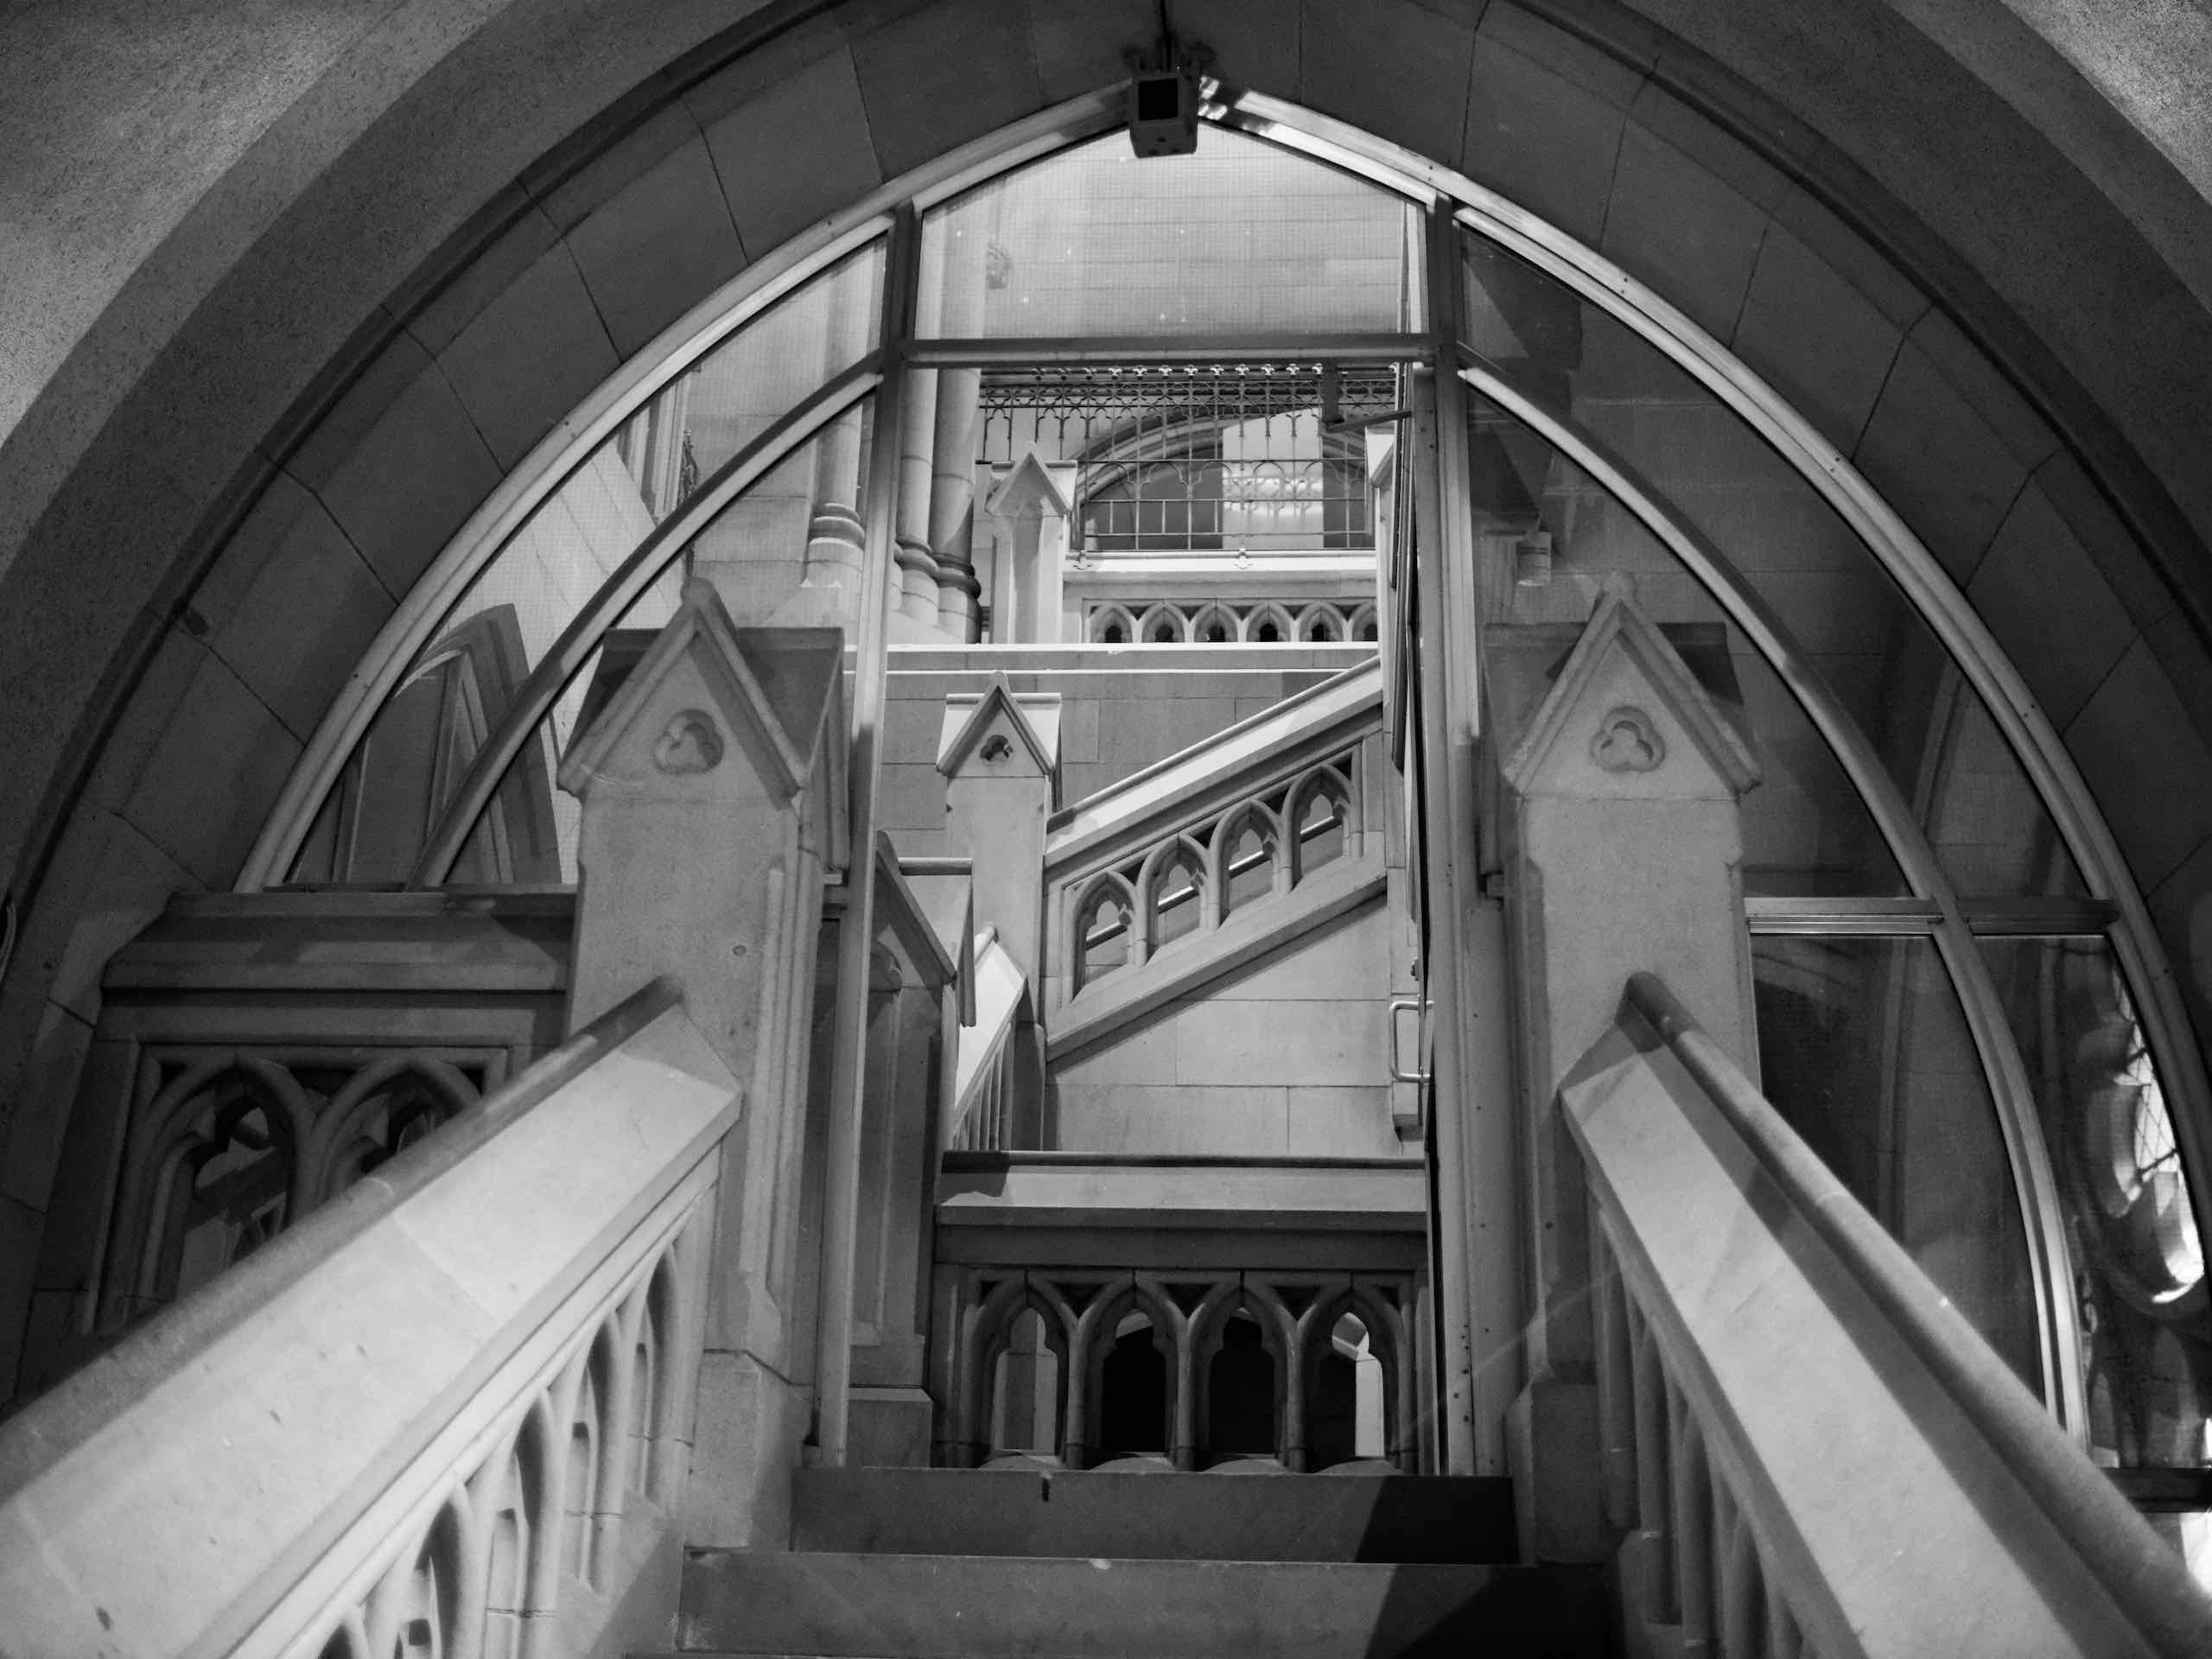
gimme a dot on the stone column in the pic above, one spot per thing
(1032, 505)
(712, 785)
(836, 541)
(1623, 789)
(952, 502)
(918, 569)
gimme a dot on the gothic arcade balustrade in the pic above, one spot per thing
(442, 1415)
(1264, 620)
(1196, 860)
(1185, 1313)
(258, 1055)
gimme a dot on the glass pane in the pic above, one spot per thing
(1549, 538)
(1239, 238)
(1865, 1052)
(773, 562)
(1853, 624)
(2138, 1262)
(1222, 503)
(372, 827)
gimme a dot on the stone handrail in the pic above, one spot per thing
(1186, 786)
(1808, 1448)
(1251, 814)
(448, 1411)
(986, 1108)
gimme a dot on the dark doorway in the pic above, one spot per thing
(1241, 1393)
(1132, 1403)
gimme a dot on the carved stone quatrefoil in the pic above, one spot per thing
(690, 744)
(1626, 740)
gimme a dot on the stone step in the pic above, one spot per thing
(902, 1607)
(1270, 1517)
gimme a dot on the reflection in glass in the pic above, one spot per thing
(1865, 1052)
(769, 561)
(1806, 832)
(1239, 238)
(2139, 1261)
(1852, 624)
(402, 774)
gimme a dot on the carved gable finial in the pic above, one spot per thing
(704, 688)
(999, 729)
(1626, 715)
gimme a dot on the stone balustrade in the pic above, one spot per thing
(442, 1415)
(1806, 1447)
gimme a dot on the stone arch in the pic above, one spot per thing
(1234, 887)
(1215, 624)
(1388, 1333)
(1321, 623)
(1175, 898)
(1311, 848)
(1093, 1342)
(1088, 964)
(1278, 1338)
(415, 303)
(989, 1339)
(1163, 625)
(1112, 625)
(1269, 625)
(199, 1114)
(423, 1093)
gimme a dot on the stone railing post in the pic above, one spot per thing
(1030, 509)
(712, 781)
(1626, 847)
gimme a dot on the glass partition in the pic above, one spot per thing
(404, 770)
(1550, 540)
(1865, 1052)
(773, 562)
(1849, 620)
(2125, 1196)
(1241, 238)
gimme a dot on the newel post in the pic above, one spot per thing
(1626, 847)
(1031, 509)
(999, 752)
(712, 783)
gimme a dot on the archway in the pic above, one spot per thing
(1965, 942)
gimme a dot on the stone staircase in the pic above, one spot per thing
(934, 1563)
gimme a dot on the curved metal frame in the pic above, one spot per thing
(1930, 592)
(1926, 585)
(568, 654)
(2034, 1181)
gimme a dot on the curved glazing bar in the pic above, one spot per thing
(707, 510)
(1969, 795)
(2029, 1158)
(619, 399)
(594, 426)
(765, 497)
(2146, 1353)
(582, 519)
(1933, 596)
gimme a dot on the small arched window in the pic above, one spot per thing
(1175, 896)
(1105, 930)
(1320, 817)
